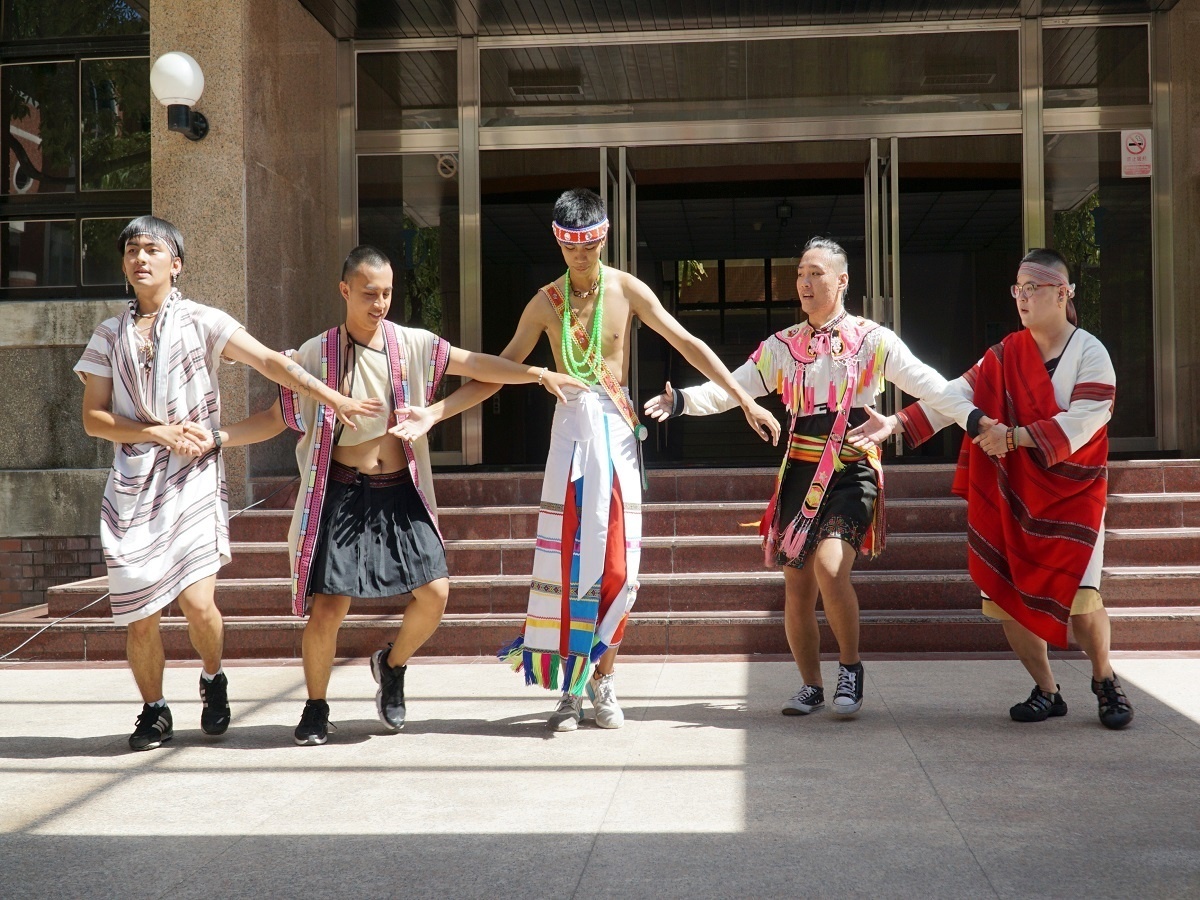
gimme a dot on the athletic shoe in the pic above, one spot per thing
(847, 699)
(214, 717)
(603, 694)
(1115, 709)
(1039, 707)
(154, 728)
(567, 715)
(389, 699)
(809, 699)
(314, 724)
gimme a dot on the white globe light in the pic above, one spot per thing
(176, 78)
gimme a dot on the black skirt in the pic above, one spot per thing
(376, 539)
(849, 504)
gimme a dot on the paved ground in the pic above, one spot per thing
(707, 791)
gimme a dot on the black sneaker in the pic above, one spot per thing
(1115, 709)
(1039, 707)
(314, 724)
(847, 699)
(214, 718)
(389, 699)
(154, 728)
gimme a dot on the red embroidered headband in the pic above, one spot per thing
(588, 235)
(1046, 275)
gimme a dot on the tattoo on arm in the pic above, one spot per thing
(301, 380)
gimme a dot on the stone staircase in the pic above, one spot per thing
(703, 587)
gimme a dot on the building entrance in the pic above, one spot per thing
(932, 227)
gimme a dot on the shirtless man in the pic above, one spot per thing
(365, 523)
(589, 527)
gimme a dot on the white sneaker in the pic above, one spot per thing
(603, 694)
(568, 714)
(809, 699)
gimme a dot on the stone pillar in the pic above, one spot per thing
(200, 186)
(256, 199)
(1184, 22)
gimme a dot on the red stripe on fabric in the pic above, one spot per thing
(1052, 442)
(1094, 390)
(917, 429)
(570, 530)
(614, 578)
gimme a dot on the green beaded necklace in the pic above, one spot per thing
(583, 363)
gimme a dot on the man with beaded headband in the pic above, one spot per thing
(1033, 470)
(588, 546)
(828, 502)
(150, 387)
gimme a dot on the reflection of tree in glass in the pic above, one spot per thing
(1075, 239)
(25, 20)
(40, 100)
(115, 115)
(422, 263)
(689, 271)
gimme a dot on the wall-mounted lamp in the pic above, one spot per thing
(177, 82)
(783, 212)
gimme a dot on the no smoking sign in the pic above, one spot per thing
(1135, 153)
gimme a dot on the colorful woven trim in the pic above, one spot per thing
(808, 448)
(588, 235)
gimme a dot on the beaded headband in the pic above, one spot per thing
(160, 239)
(588, 235)
(1046, 275)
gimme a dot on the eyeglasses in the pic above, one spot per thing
(1026, 290)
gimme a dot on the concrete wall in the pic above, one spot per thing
(256, 201)
(1184, 23)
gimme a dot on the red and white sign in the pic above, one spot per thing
(1135, 153)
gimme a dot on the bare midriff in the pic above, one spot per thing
(380, 456)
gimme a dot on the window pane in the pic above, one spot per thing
(115, 119)
(39, 106)
(1096, 66)
(31, 20)
(408, 208)
(407, 90)
(697, 279)
(875, 74)
(1101, 224)
(101, 262)
(38, 254)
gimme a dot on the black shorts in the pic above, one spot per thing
(376, 539)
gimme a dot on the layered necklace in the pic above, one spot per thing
(584, 363)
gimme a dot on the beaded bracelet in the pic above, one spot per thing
(541, 375)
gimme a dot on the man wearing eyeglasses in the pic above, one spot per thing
(1033, 472)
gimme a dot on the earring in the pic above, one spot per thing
(174, 279)
(126, 287)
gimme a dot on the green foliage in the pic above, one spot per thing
(30, 20)
(689, 271)
(1075, 239)
(422, 277)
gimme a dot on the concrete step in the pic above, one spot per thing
(1123, 586)
(743, 553)
(479, 489)
(751, 631)
(904, 515)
